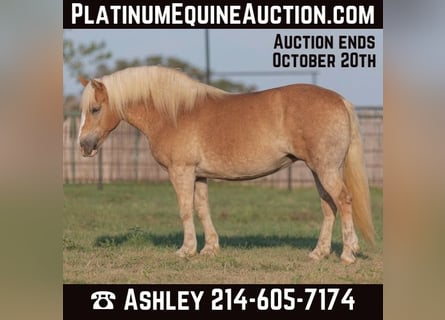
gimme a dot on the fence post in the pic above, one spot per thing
(289, 178)
(136, 153)
(207, 55)
(100, 169)
(73, 136)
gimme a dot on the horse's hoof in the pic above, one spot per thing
(318, 254)
(185, 253)
(210, 251)
(347, 259)
(355, 247)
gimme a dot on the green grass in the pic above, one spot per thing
(128, 233)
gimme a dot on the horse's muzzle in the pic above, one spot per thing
(89, 145)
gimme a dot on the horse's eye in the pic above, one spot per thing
(95, 109)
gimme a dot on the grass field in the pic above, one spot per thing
(128, 233)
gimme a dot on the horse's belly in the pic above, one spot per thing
(242, 168)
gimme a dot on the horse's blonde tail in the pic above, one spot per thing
(356, 179)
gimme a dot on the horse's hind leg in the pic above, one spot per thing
(203, 210)
(333, 184)
(323, 248)
(183, 180)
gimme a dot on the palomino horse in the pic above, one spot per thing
(198, 132)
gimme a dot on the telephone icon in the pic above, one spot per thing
(103, 300)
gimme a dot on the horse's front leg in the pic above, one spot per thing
(183, 180)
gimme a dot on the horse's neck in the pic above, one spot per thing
(146, 119)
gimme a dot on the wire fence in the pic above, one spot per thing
(125, 156)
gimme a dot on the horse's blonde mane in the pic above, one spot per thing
(169, 91)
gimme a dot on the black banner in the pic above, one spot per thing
(284, 14)
(198, 301)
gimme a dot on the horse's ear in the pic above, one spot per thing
(97, 85)
(83, 81)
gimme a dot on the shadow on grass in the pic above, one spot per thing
(138, 237)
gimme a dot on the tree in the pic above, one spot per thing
(92, 61)
(77, 57)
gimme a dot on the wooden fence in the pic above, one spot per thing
(127, 157)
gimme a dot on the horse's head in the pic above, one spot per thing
(98, 119)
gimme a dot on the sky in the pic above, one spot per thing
(242, 50)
